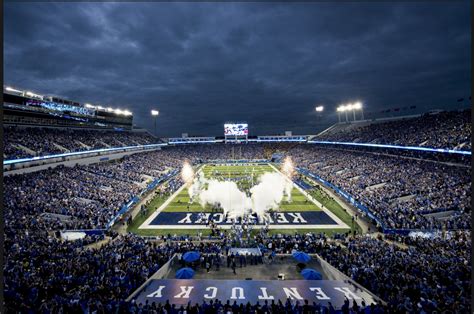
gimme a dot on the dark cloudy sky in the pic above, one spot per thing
(269, 64)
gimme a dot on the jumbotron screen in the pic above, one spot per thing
(236, 129)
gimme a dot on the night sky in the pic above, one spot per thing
(269, 64)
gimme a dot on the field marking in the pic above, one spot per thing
(273, 227)
(339, 223)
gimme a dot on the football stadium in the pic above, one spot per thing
(114, 210)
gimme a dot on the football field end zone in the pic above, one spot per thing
(146, 225)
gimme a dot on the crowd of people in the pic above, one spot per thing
(46, 274)
(446, 129)
(401, 192)
(418, 275)
(273, 307)
(30, 142)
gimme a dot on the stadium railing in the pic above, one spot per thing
(416, 148)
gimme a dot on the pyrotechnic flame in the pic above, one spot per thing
(288, 167)
(187, 173)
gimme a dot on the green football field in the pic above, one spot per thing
(247, 176)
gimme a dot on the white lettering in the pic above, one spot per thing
(185, 291)
(205, 218)
(186, 220)
(234, 293)
(156, 294)
(220, 220)
(348, 293)
(265, 295)
(292, 293)
(281, 218)
(320, 295)
(297, 218)
(213, 294)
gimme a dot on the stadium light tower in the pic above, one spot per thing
(358, 106)
(345, 109)
(319, 110)
(155, 114)
(339, 110)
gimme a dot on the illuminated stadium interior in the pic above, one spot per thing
(123, 197)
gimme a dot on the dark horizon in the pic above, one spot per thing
(269, 64)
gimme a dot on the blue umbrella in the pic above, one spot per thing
(311, 274)
(184, 273)
(301, 257)
(191, 256)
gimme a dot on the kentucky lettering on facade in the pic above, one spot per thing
(243, 291)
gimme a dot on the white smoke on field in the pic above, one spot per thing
(288, 167)
(227, 195)
(270, 191)
(196, 187)
(187, 173)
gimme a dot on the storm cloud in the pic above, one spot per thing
(202, 64)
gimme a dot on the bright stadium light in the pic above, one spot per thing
(344, 108)
(319, 108)
(155, 114)
(127, 113)
(89, 106)
(357, 105)
(11, 89)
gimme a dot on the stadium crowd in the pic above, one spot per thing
(47, 141)
(417, 275)
(428, 275)
(45, 274)
(446, 129)
(401, 192)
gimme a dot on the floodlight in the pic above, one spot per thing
(319, 108)
(10, 89)
(357, 105)
(155, 112)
